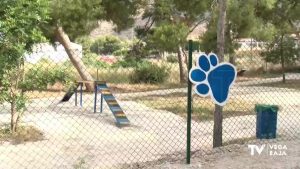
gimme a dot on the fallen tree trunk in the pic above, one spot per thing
(64, 39)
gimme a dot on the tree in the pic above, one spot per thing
(106, 45)
(283, 15)
(19, 30)
(218, 113)
(170, 38)
(262, 20)
(242, 21)
(73, 18)
(282, 50)
(174, 21)
(231, 20)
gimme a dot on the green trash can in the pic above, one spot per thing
(266, 121)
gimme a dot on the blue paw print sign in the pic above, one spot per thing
(213, 78)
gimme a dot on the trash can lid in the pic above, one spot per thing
(265, 107)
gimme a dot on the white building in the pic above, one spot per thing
(47, 51)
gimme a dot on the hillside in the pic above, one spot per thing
(107, 28)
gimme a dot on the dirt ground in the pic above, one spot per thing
(75, 136)
(239, 157)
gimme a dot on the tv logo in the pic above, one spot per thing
(271, 149)
(257, 148)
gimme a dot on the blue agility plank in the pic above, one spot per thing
(115, 108)
(102, 86)
(109, 97)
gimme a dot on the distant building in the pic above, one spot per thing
(55, 53)
(245, 44)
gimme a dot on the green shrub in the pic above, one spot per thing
(129, 62)
(86, 43)
(40, 76)
(172, 59)
(150, 73)
(121, 52)
(124, 50)
(113, 75)
(124, 64)
(106, 45)
(288, 49)
(92, 60)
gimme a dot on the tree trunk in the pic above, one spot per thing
(185, 59)
(14, 116)
(232, 59)
(282, 59)
(63, 38)
(182, 66)
(218, 117)
(218, 120)
(221, 29)
(163, 56)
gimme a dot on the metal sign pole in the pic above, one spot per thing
(189, 106)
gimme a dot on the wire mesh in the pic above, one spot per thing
(54, 134)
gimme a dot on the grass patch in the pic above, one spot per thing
(266, 75)
(123, 75)
(199, 113)
(271, 73)
(203, 108)
(23, 134)
(112, 75)
(115, 87)
(143, 87)
(290, 84)
(81, 164)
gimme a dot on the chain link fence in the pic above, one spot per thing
(91, 133)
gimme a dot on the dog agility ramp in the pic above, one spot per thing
(112, 103)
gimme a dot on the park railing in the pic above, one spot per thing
(64, 123)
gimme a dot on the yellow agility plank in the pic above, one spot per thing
(106, 92)
(112, 102)
(120, 115)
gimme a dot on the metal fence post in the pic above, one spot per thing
(95, 97)
(189, 106)
(76, 95)
(81, 85)
(101, 103)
